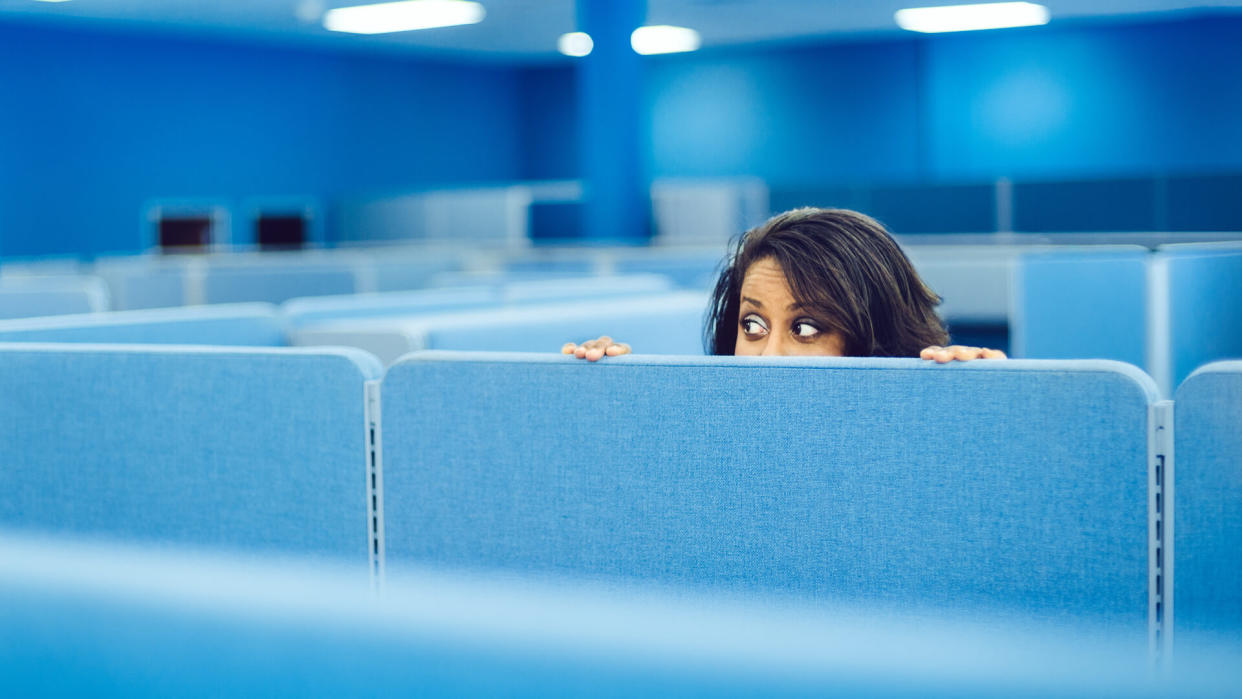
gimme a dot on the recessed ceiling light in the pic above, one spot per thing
(662, 38)
(403, 16)
(576, 44)
(964, 18)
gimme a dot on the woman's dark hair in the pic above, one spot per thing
(848, 273)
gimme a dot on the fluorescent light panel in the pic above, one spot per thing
(662, 38)
(964, 18)
(576, 44)
(403, 16)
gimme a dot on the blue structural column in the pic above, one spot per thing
(610, 111)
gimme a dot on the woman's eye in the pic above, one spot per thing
(753, 326)
(805, 329)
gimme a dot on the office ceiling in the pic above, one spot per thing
(526, 30)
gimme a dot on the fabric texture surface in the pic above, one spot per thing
(18, 302)
(1017, 486)
(1208, 505)
(1205, 306)
(277, 283)
(174, 624)
(658, 323)
(250, 449)
(1081, 304)
(251, 324)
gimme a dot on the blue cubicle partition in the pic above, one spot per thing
(303, 312)
(1082, 303)
(31, 297)
(664, 323)
(697, 271)
(254, 324)
(1200, 306)
(106, 621)
(143, 282)
(257, 449)
(1016, 487)
(489, 291)
(277, 282)
(1207, 514)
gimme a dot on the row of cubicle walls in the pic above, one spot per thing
(270, 494)
(1167, 310)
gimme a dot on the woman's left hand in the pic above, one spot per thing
(960, 353)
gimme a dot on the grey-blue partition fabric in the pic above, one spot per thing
(1207, 534)
(246, 448)
(665, 324)
(1015, 486)
(251, 324)
(1081, 304)
(135, 285)
(32, 302)
(278, 282)
(544, 290)
(301, 312)
(689, 272)
(175, 624)
(1205, 305)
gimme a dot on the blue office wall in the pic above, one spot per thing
(93, 124)
(832, 112)
(1068, 101)
(549, 118)
(1065, 101)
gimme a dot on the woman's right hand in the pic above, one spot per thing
(595, 350)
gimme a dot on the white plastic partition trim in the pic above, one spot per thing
(195, 283)
(1159, 359)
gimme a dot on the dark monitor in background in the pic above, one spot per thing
(283, 231)
(184, 233)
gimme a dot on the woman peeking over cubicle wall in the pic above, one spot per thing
(826, 282)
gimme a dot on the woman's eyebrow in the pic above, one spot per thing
(752, 301)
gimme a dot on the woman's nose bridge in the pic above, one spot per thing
(772, 348)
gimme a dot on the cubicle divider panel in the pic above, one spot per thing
(1204, 306)
(654, 322)
(1087, 303)
(1207, 514)
(1018, 486)
(50, 296)
(277, 283)
(308, 311)
(179, 624)
(260, 449)
(250, 324)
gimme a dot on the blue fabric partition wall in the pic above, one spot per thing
(303, 312)
(1207, 515)
(254, 324)
(661, 323)
(148, 281)
(177, 624)
(31, 297)
(260, 449)
(276, 283)
(1199, 309)
(1017, 487)
(1082, 303)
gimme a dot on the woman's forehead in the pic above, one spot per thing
(765, 279)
